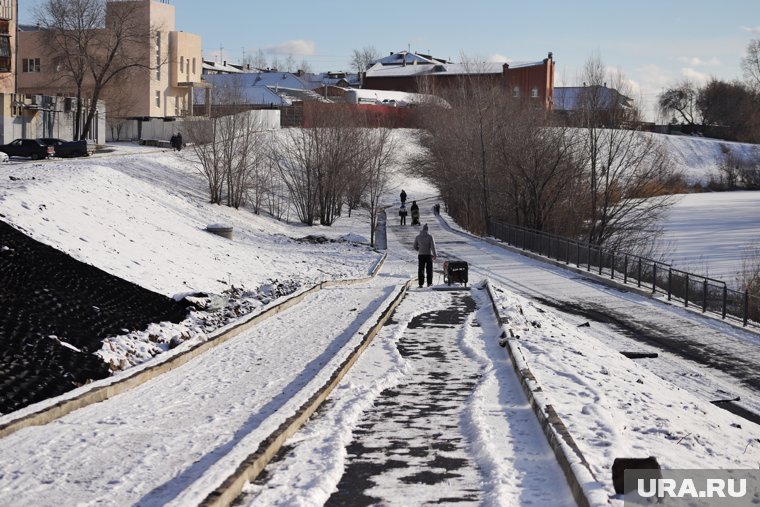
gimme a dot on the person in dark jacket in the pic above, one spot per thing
(415, 213)
(402, 214)
(403, 197)
(425, 246)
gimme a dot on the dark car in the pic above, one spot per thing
(27, 148)
(69, 148)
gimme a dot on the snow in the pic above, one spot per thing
(614, 407)
(712, 233)
(699, 159)
(140, 213)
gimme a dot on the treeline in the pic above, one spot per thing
(730, 109)
(729, 106)
(496, 158)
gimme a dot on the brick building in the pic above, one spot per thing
(418, 73)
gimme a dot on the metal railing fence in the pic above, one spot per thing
(693, 290)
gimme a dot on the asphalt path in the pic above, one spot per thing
(708, 357)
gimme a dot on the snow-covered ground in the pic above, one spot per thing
(712, 233)
(140, 214)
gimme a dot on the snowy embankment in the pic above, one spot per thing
(699, 159)
(141, 215)
(614, 407)
(709, 233)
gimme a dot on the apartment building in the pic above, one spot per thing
(163, 88)
(8, 17)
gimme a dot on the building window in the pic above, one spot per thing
(182, 64)
(30, 64)
(5, 53)
(176, 106)
(158, 55)
(193, 65)
(516, 91)
(158, 98)
(534, 92)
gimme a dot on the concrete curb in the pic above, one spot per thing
(576, 469)
(112, 386)
(255, 463)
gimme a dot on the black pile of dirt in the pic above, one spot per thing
(54, 313)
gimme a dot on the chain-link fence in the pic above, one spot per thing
(694, 290)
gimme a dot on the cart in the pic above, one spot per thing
(455, 272)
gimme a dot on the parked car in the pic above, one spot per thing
(69, 148)
(4, 157)
(27, 148)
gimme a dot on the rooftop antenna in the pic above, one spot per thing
(221, 48)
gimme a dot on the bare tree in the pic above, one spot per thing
(203, 134)
(538, 185)
(290, 63)
(231, 150)
(275, 64)
(751, 64)
(296, 159)
(378, 151)
(257, 61)
(362, 59)
(624, 167)
(681, 100)
(94, 42)
(462, 145)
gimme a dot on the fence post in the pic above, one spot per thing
(625, 269)
(588, 268)
(654, 278)
(578, 254)
(725, 300)
(670, 282)
(704, 296)
(600, 261)
(639, 276)
(686, 297)
(612, 266)
(746, 307)
(567, 253)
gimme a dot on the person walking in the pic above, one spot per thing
(179, 141)
(426, 254)
(402, 214)
(403, 197)
(415, 213)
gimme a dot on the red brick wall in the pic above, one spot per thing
(540, 77)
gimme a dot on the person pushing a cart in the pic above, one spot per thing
(425, 246)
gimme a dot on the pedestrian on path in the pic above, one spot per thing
(425, 246)
(403, 197)
(402, 214)
(415, 213)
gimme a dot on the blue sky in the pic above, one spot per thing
(655, 43)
